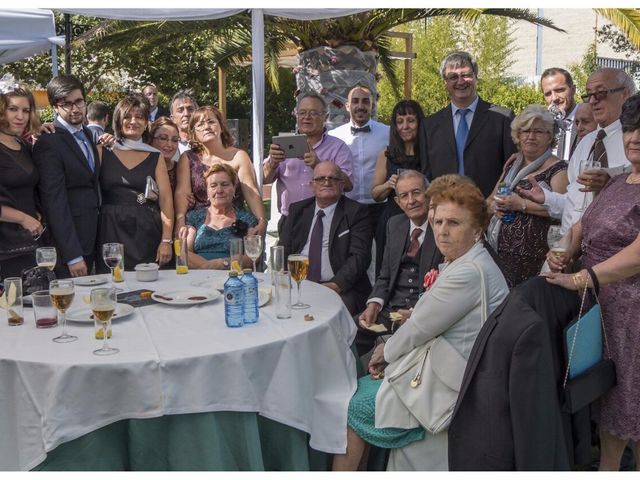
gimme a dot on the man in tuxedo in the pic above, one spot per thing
(410, 252)
(150, 92)
(68, 163)
(469, 136)
(559, 92)
(334, 232)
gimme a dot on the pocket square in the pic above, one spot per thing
(342, 234)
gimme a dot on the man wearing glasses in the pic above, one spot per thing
(335, 233)
(294, 175)
(469, 136)
(67, 161)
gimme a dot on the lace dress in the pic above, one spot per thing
(522, 244)
(609, 224)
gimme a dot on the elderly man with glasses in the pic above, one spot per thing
(335, 233)
(294, 175)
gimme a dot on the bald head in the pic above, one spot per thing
(607, 90)
(584, 121)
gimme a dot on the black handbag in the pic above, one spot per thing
(15, 241)
(599, 377)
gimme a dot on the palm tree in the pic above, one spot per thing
(627, 20)
(333, 54)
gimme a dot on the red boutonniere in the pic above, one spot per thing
(430, 278)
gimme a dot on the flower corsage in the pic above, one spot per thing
(430, 278)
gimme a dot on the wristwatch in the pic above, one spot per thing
(225, 263)
(167, 240)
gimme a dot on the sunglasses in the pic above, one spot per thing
(600, 94)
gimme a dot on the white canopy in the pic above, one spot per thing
(24, 33)
(257, 33)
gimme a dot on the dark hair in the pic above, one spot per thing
(20, 91)
(467, 196)
(124, 106)
(549, 72)
(395, 149)
(181, 95)
(630, 117)
(97, 111)
(199, 115)
(61, 86)
(160, 122)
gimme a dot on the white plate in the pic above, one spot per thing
(264, 295)
(90, 281)
(183, 297)
(210, 283)
(84, 314)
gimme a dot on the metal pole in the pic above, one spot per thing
(222, 91)
(54, 61)
(67, 44)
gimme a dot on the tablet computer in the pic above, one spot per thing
(294, 146)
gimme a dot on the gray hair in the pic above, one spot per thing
(405, 174)
(526, 118)
(312, 95)
(458, 59)
(181, 95)
(624, 80)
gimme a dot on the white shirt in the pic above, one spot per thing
(468, 116)
(412, 227)
(365, 148)
(617, 160)
(183, 146)
(326, 272)
(153, 113)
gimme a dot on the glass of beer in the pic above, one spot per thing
(46, 257)
(62, 292)
(298, 266)
(103, 306)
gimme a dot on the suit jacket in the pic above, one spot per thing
(397, 237)
(69, 190)
(162, 112)
(508, 416)
(488, 145)
(349, 245)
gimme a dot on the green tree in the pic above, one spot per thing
(580, 71)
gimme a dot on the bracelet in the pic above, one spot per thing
(524, 205)
(167, 240)
(262, 219)
(579, 281)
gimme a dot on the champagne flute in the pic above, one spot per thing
(112, 255)
(554, 239)
(253, 248)
(46, 257)
(103, 305)
(62, 293)
(590, 164)
(299, 267)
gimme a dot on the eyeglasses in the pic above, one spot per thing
(67, 106)
(330, 180)
(167, 138)
(206, 123)
(311, 113)
(454, 77)
(536, 132)
(600, 94)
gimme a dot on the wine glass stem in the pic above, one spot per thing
(63, 320)
(104, 335)
(299, 299)
(254, 265)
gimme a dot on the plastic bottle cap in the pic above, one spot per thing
(233, 273)
(247, 270)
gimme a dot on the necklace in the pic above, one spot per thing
(633, 181)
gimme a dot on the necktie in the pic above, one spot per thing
(599, 152)
(414, 245)
(86, 149)
(365, 129)
(461, 137)
(315, 249)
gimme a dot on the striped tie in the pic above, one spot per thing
(599, 152)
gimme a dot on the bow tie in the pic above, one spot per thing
(355, 130)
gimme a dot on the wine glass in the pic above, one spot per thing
(62, 293)
(112, 255)
(253, 248)
(46, 257)
(299, 267)
(589, 165)
(103, 306)
(558, 243)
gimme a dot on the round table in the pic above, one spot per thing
(177, 360)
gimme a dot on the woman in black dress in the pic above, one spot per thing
(401, 153)
(19, 216)
(142, 225)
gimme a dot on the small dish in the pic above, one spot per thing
(90, 281)
(147, 272)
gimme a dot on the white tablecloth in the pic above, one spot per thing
(176, 360)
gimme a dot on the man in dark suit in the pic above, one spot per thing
(404, 266)
(469, 136)
(334, 231)
(68, 163)
(150, 92)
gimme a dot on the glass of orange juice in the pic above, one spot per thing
(180, 250)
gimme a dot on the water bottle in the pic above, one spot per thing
(233, 300)
(505, 191)
(250, 283)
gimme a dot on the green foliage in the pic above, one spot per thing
(621, 44)
(580, 71)
(488, 39)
